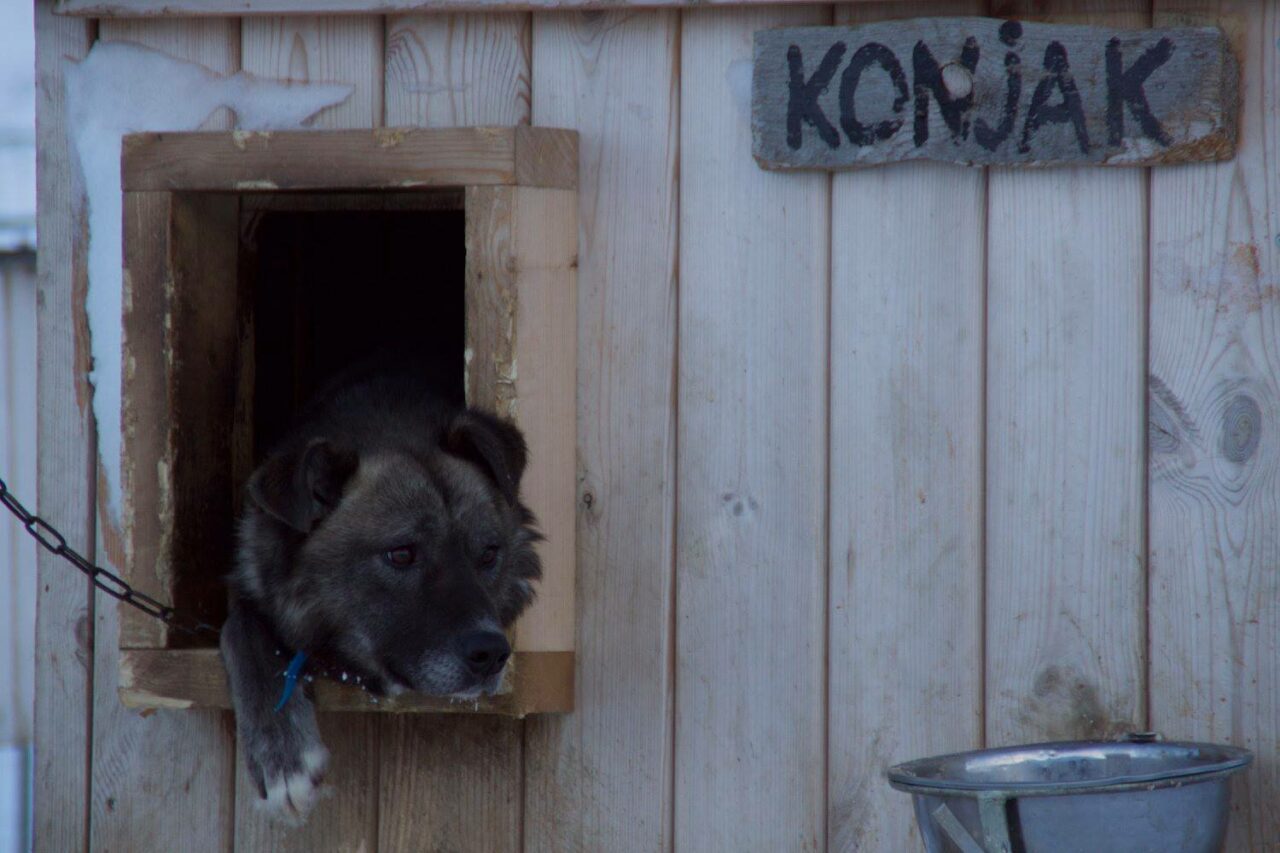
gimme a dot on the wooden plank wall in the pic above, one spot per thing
(18, 468)
(871, 467)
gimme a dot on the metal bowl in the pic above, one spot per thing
(1132, 796)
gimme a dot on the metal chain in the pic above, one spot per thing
(55, 543)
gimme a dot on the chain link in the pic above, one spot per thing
(113, 585)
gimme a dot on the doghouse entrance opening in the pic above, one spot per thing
(323, 282)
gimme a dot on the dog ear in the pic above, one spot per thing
(495, 445)
(300, 487)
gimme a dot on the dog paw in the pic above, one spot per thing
(290, 780)
(293, 789)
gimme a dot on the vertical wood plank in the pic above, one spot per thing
(65, 460)
(164, 781)
(906, 476)
(450, 783)
(310, 49)
(1065, 617)
(751, 532)
(1214, 409)
(455, 70)
(17, 443)
(443, 71)
(599, 779)
(339, 50)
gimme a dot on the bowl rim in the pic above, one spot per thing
(1230, 759)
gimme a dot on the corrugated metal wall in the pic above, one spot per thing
(872, 466)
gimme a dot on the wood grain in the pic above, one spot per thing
(337, 50)
(147, 463)
(599, 779)
(477, 761)
(1065, 588)
(546, 158)
(17, 441)
(451, 70)
(392, 159)
(1214, 447)
(464, 796)
(178, 405)
(65, 459)
(188, 803)
(312, 49)
(196, 678)
(248, 8)
(991, 92)
(492, 301)
(905, 604)
(545, 258)
(751, 531)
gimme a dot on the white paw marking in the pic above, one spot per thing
(316, 760)
(290, 798)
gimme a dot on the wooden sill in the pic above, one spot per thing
(538, 682)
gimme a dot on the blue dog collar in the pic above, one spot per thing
(291, 678)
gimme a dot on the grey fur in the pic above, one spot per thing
(377, 465)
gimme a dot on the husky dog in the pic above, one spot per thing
(384, 534)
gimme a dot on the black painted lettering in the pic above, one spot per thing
(802, 100)
(1010, 32)
(1124, 86)
(864, 57)
(1068, 109)
(928, 78)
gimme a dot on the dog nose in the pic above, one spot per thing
(485, 652)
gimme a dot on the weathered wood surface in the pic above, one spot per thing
(600, 778)
(396, 158)
(1214, 435)
(905, 600)
(345, 50)
(521, 359)
(1065, 576)
(751, 532)
(142, 798)
(445, 70)
(18, 467)
(195, 678)
(987, 91)
(65, 462)
(251, 8)
(477, 760)
(146, 477)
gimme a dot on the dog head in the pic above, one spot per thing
(404, 561)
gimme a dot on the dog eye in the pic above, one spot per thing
(401, 557)
(488, 557)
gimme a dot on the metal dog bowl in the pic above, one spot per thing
(1132, 796)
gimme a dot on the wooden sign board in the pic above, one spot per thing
(987, 91)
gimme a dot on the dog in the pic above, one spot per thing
(385, 534)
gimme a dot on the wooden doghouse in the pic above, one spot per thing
(870, 466)
(255, 265)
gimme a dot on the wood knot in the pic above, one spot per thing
(1241, 428)
(1162, 430)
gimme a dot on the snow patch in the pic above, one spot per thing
(124, 88)
(738, 78)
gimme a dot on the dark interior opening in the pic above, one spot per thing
(334, 288)
(324, 281)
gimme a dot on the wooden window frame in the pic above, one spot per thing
(182, 196)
